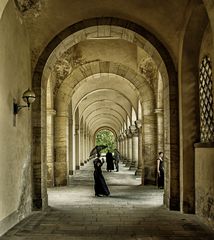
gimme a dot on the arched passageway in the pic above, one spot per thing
(103, 78)
(144, 72)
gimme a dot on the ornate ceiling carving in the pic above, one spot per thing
(67, 62)
(25, 5)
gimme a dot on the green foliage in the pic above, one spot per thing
(105, 137)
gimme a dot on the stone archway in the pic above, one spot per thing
(189, 103)
(167, 69)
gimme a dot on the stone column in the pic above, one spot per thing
(84, 148)
(88, 148)
(134, 159)
(81, 147)
(125, 148)
(121, 146)
(118, 143)
(129, 138)
(76, 149)
(90, 145)
(50, 148)
(71, 160)
(160, 132)
(139, 171)
(61, 149)
(149, 148)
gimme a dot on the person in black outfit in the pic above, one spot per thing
(109, 161)
(100, 186)
(160, 170)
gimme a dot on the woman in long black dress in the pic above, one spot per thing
(100, 186)
(160, 171)
(109, 161)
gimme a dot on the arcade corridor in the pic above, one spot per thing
(140, 69)
(131, 212)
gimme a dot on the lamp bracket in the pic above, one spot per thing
(17, 107)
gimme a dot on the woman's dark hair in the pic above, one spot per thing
(160, 153)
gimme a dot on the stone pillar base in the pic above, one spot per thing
(124, 160)
(61, 182)
(128, 163)
(77, 167)
(37, 204)
(60, 174)
(71, 172)
(133, 166)
(138, 172)
(50, 183)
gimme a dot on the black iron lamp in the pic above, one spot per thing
(28, 97)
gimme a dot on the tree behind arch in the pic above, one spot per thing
(106, 137)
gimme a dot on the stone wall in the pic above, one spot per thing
(15, 137)
(204, 183)
(3, 3)
(204, 155)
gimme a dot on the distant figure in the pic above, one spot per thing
(160, 171)
(109, 161)
(116, 159)
(100, 186)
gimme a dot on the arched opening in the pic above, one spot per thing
(107, 138)
(117, 119)
(189, 103)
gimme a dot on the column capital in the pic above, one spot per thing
(133, 129)
(61, 114)
(80, 131)
(123, 136)
(138, 123)
(128, 133)
(51, 111)
(158, 110)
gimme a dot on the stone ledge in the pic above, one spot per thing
(204, 145)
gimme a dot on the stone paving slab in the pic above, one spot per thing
(132, 212)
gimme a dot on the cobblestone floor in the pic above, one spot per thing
(132, 212)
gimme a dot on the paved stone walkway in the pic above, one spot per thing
(132, 212)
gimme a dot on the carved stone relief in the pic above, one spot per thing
(25, 5)
(148, 69)
(66, 63)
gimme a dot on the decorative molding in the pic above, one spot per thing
(67, 62)
(148, 69)
(25, 5)
(204, 145)
(138, 123)
(51, 111)
(158, 111)
(134, 130)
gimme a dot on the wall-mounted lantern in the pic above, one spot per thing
(28, 97)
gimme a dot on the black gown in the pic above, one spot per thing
(109, 161)
(161, 176)
(100, 186)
